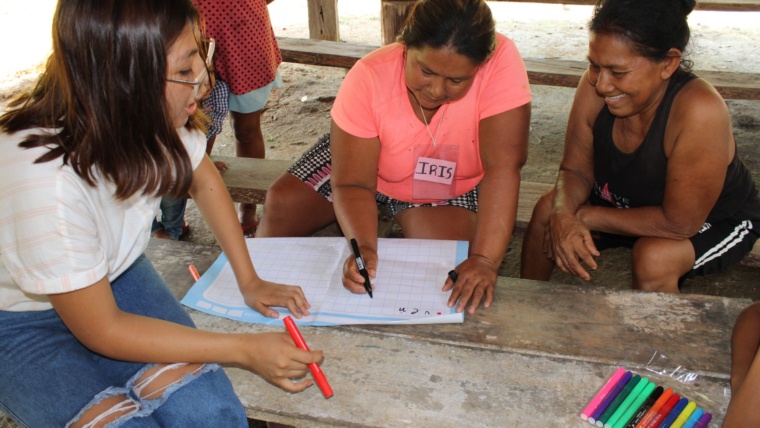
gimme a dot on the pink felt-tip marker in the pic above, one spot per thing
(194, 272)
(316, 371)
(594, 403)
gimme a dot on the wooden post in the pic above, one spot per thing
(323, 20)
(393, 14)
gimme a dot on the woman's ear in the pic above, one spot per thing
(671, 63)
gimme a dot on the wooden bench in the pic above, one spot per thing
(248, 179)
(551, 72)
(534, 357)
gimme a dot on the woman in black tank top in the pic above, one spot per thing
(650, 160)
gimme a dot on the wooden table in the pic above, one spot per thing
(536, 356)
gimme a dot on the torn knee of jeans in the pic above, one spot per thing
(154, 384)
(113, 404)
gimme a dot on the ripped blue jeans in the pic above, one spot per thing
(49, 379)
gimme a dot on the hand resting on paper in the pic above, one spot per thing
(260, 295)
(352, 279)
(476, 279)
(278, 360)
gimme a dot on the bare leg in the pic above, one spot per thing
(657, 263)
(249, 143)
(292, 208)
(107, 411)
(210, 145)
(445, 222)
(533, 261)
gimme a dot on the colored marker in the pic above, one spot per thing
(694, 418)
(703, 421)
(194, 272)
(361, 266)
(618, 400)
(597, 399)
(610, 397)
(316, 372)
(642, 411)
(636, 405)
(666, 394)
(668, 421)
(453, 275)
(625, 404)
(687, 411)
(664, 411)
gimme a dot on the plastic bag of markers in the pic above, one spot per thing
(684, 382)
(661, 370)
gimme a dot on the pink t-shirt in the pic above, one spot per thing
(247, 55)
(373, 102)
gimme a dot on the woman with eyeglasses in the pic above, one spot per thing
(89, 333)
(650, 160)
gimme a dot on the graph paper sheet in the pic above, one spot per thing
(410, 275)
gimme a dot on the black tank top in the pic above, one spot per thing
(631, 180)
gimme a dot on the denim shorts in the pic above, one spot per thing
(172, 218)
(254, 100)
(47, 377)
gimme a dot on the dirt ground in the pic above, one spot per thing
(298, 113)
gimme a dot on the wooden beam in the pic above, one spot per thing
(712, 5)
(323, 20)
(318, 52)
(551, 72)
(393, 15)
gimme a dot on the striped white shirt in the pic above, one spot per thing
(58, 234)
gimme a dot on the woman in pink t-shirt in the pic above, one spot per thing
(433, 129)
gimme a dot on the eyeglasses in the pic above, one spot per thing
(202, 80)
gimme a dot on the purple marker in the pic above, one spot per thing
(610, 397)
(703, 421)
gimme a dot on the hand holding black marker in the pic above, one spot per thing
(361, 266)
(453, 275)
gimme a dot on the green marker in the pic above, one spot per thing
(626, 403)
(636, 405)
(616, 402)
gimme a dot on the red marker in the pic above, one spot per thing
(664, 411)
(194, 272)
(316, 372)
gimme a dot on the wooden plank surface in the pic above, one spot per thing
(551, 72)
(556, 72)
(323, 20)
(535, 357)
(248, 179)
(714, 5)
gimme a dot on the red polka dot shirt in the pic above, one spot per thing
(247, 55)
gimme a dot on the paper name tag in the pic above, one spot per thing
(435, 170)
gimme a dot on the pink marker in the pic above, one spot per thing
(594, 403)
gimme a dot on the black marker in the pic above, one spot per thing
(453, 275)
(362, 267)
